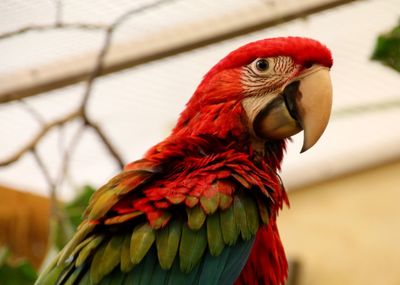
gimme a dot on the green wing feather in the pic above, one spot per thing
(196, 217)
(142, 239)
(126, 263)
(167, 242)
(192, 246)
(96, 268)
(229, 228)
(214, 235)
(112, 254)
(208, 245)
(88, 249)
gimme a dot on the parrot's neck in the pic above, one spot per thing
(218, 128)
(221, 120)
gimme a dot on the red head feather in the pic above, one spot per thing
(301, 50)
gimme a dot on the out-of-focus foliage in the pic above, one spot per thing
(387, 48)
(77, 206)
(72, 216)
(18, 273)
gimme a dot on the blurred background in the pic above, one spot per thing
(87, 86)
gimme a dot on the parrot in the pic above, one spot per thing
(201, 206)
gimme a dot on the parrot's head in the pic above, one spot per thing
(271, 89)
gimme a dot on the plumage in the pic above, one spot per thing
(112, 253)
(200, 207)
(125, 261)
(83, 230)
(192, 246)
(97, 270)
(74, 275)
(168, 243)
(230, 230)
(214, 235)
(252, 215)
(142, 239)
(83, 254)
(196, 217)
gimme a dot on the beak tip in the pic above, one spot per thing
(304, 148)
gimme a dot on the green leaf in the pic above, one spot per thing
(20, 273)
(387, 48)
(4, 254)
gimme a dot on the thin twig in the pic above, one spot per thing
(96, 69)
(35, 114)
(88, 91)
(125, 16)
(59, 26)
(107, 144)
(44, 170)
(68, 152)
(36, 139)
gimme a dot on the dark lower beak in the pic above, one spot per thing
(279, 118)
(304, 104)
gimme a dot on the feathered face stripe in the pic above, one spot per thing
(259, 82)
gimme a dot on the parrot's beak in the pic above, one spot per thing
(304, 104)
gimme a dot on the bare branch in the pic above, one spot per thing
(36, 139)
(107, 143)
(96, 71)
(35, 114)
(44, 170)
(68, 154)
(54, 209)
(58, 26)
(107, 42)
(97, 68)
(125, 16)
(88, 91)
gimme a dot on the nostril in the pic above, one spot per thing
(308, 64)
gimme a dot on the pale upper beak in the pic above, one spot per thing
(305, 104)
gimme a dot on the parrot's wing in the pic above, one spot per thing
(132, 236)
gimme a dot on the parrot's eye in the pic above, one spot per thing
(308, 64)
(262, 65)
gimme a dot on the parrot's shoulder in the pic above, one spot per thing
(134, 175)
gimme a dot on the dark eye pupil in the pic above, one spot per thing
(308, 64)
(262, 65)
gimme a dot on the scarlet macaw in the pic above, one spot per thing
(201, 206)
